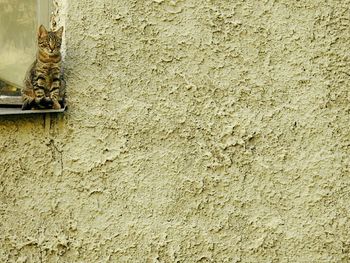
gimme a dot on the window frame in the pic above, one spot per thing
(44, 10)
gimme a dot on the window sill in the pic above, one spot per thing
(14, 107)
(19, 111)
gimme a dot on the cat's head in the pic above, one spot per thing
(50, 42)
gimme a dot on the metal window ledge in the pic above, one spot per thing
(13, 106)
(19, 111)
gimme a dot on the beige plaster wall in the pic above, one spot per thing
(197, 131)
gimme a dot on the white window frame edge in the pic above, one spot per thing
(44, 12)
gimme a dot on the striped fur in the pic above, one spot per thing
(44, 86)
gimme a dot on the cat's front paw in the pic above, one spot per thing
(26, 106)
(56, 105)
(28, 103)
(46, 102)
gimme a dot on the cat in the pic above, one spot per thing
(44, 86)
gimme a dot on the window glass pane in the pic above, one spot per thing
(18, 23)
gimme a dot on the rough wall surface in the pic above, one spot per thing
(198, 131)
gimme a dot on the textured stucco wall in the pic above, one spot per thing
(198, 131)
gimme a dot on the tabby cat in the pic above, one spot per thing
(44, 86)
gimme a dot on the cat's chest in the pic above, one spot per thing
(48, 70)
(49, 66)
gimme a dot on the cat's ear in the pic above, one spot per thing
(59, 32)
(42, 32)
